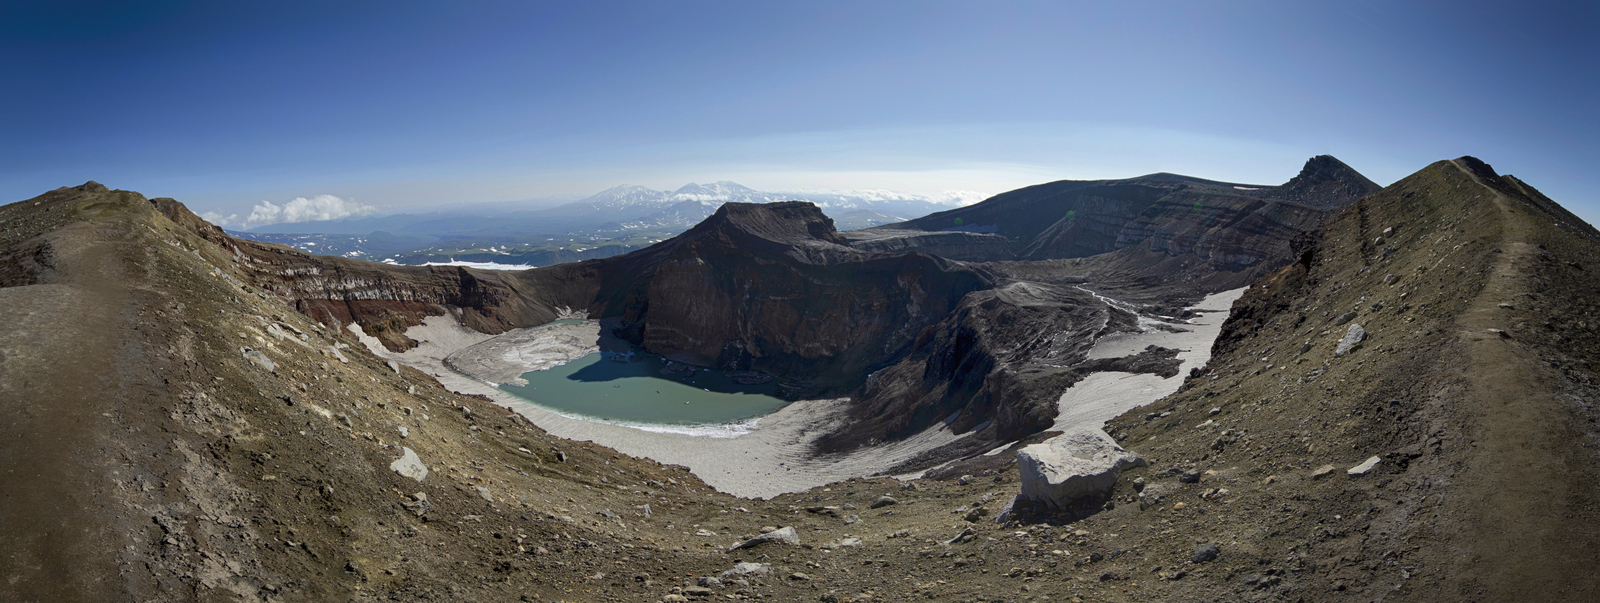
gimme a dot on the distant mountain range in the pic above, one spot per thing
(631, 207)
(616, 220)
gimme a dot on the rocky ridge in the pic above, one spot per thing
(1224, 225)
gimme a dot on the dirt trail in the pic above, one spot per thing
(62, 366)
(1527, 479)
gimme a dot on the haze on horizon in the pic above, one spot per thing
(398, 104)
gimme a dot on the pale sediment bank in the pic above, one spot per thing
(1102, 396)
(773, 457)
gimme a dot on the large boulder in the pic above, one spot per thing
(1072, 466)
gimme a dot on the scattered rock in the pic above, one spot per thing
(745, 568)
(966, 535)
(410, 465)
(1072, 466)
(785, 535)
(1363, 468)
(259, 359)
(976, 514)
(1189, 477)
(418, 504)
(698, 592)
(801, 576)
(963, 480)
(1344, 318)
(1204, 553)
(710, 582)
(884, 501)
(394, 366)
(1323, 471)
(1352, 338)
(483, 492)
(674, 599)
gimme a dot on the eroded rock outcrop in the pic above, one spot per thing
(770, 287)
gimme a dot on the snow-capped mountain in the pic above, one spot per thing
(626, 199)
(632, 207)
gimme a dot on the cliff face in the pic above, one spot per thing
(993, 368)
(384, 299)
(770, 287)
(1225, 226)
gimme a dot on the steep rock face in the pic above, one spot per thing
(770, 287)
(1327, 183)
(955, 245)
(995, 366)
(384, 299)
(1227, 226)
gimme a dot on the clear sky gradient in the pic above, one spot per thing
(225, 104)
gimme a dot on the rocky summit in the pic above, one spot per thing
(190, 416)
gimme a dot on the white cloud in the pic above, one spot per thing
(219, 219)
(302, 209)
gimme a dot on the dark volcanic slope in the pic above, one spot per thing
(771, 287)
(1223, 224)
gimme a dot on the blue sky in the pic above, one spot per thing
(223, 105)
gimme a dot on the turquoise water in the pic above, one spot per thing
(635, 392)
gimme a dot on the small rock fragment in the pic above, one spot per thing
(1363, 468)
(418, 504)
(259, 359)
(1323, 471)
(966, 535)
(745, 567)
(884, 501)
(1204, 553)
(785, 535)
(1352, 338)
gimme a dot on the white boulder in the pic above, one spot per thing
(1073, 465)
(1352, 338)
(410, 465)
